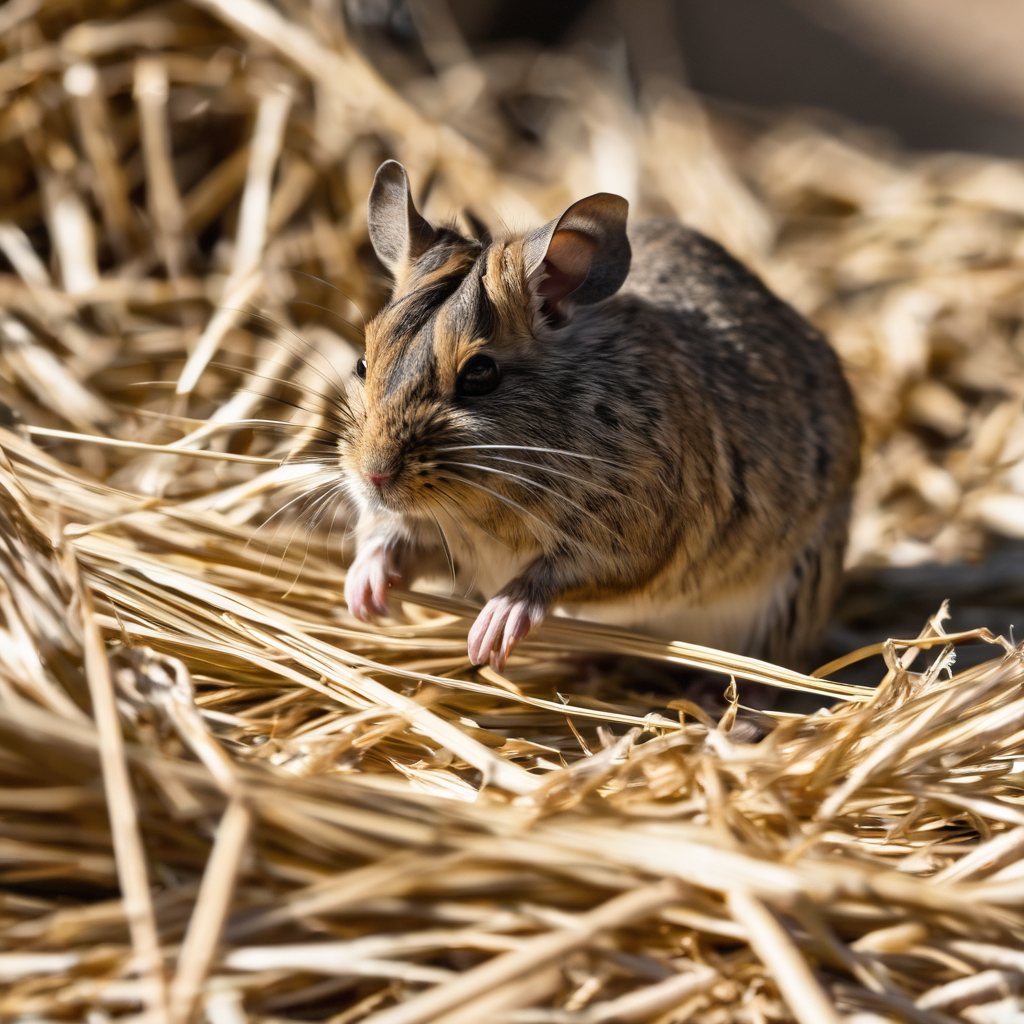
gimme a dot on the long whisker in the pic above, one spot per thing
(283, 553)
(312, 459)
(442, 501)
(195, 421)
(447, 505)
(266, 522)
(216, 364)
(567, 538)
(293, 405)
(444, 544)
(341, 487)
(270, 423)
(327, 309)
(325, 441)
(324, 503)
(331, 414)
(337, 414)
(317, 506)
(313, 410)
(550, 451)
(229, 368)
(451, 506)
(530, 448)
(533, 483)
(214, 427)
(340, 291)
(494, 494)
(569, 476)
(298, 353)
(337, 388)
(251, 391)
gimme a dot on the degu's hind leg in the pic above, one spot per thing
(795, 633)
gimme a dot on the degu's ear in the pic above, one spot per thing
(398, 233)
(584, 255)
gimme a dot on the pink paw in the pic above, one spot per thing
(368, 581)
(503, 622)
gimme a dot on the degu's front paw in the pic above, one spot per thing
(367, 582)
(502, 623)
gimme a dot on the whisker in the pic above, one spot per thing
(530, 448)
(216, 364)
(326, 443)
(340, 489)
(313, 410)
(284, 401)
(552, 451)
(217, 427)
(337, 389)
(270, 519)
(242, 371)
(317, 504)
(339, 413)
(447, 550)
(311, 459)
(321, 505)
(270, 545)
(195, 421)
(453, 511)
(327, 309)
(493, 494)
(252, 422)
(298, 353)
(567, 538)
(448, 505)
(569, 476)
(340, 291)
(533, 483)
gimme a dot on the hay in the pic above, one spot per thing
(221, 796)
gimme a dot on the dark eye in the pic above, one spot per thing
(361, 369)
(480, 376)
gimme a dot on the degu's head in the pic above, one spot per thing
(455, 363)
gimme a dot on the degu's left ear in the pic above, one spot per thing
(584, 255)
(398, 233)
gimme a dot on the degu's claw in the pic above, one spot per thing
(498, 628)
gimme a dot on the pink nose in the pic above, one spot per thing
(379, 479)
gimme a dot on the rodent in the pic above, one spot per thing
(628, 427)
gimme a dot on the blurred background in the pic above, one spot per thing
(162, 161)
(936, 74)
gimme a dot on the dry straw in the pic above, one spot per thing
(222, 798)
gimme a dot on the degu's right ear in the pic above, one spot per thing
(583, 256)
(398, 233)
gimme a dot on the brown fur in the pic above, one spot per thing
(702, 442)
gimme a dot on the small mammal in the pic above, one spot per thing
(628, 428)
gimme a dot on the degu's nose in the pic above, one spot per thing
(380, 470)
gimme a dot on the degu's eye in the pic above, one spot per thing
(361, 368)
(480, 376)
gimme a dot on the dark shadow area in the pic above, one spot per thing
(897, 601)
(765, 53)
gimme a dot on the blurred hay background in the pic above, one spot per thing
(223, 798)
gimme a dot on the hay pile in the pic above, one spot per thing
(223, 798)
